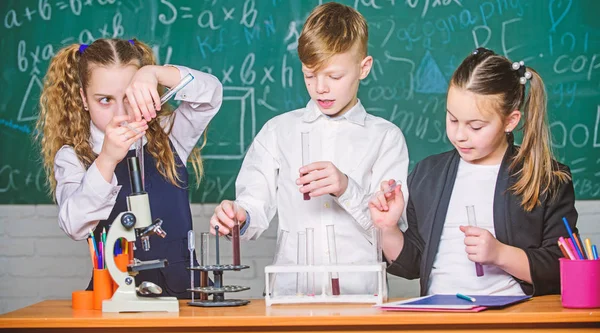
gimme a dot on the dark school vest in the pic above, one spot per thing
(171, 204)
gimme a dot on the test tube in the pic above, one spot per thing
(139, 145)
(204, 237)
(473, 223)
(191, 247)
(301, 260)
(376, 235)
(305, 156)
(310, 260)
(335, 277)
(281, 240)
(139, 152)
(171, 92)
(235, 237)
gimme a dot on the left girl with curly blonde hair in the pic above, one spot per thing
(89, 92)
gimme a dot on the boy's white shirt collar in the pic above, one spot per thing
(356, 114)
(97, 139)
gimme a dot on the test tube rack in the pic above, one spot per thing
(324, 271)
(218, 289)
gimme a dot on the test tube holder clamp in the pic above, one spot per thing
(379, 297)
(218, 290)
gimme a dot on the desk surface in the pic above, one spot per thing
(544, 313)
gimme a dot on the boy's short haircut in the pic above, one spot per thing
(331, 29)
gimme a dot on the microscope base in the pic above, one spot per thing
(142, 304)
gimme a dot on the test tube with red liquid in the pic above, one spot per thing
(235, 237)
(473, 223)
(305, 156)
(335, 277)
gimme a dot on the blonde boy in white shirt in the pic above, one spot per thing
(351, 153)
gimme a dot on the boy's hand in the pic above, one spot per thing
(142, 93)
(481, 246)
(320, 178)
(118, 139)
(386, 207)
(224, 215)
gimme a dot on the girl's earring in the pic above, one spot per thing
(86, 108)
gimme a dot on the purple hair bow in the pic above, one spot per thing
(82, 48)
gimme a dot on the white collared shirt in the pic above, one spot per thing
(368, 149)
(84, 197)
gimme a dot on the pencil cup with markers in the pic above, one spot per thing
(579, 271)
(103, 284)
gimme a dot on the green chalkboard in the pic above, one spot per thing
(250, 45)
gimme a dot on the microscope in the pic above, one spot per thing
(136, 222)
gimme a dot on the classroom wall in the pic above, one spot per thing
(39, 262)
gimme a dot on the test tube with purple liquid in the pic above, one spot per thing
(473, 223)
(335, 277)
(235, 237)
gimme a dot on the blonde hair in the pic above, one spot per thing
(488, 74)
(330, 29)
(63, 120)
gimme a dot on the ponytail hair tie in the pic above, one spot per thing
(82, 48)
(131, 41)
(524, 74)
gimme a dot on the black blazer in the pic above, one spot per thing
(536, 232)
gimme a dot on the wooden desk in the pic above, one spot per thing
(543, 314)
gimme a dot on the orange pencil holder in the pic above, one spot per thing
(103, 287)
(580, 283)
(82, 300)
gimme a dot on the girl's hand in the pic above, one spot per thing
(118, 138)
(387, 208)
(481, 246)
(142, 93)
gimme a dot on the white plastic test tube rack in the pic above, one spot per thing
(323, 272)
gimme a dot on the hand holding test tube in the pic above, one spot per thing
(382, 198)
(473, 223)
(139, 145)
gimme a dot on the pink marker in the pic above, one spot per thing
(567, 248)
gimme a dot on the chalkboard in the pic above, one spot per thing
(250, 45)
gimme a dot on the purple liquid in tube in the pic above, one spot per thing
(335, 286)
(236, 244)
(473, 223)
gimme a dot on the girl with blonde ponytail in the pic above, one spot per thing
(520, 193)
(89, 92)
